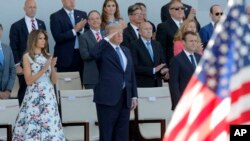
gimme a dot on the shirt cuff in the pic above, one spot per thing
(17, 64)
(134, 98)
(74, 32)
(153, 70)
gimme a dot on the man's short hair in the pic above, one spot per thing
(112, 26)
(211, 8)
(133, 8)
(188, 33)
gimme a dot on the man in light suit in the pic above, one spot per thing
(66, 25)
(206, 32)
(149, 61)
(87, 41)
(7, 69)
(18, 35)
(116, 93)
(183, 66)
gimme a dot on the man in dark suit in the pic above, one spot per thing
(7, 69)
(116, 93)
(207, 31)
(189, 11)
(87, 41)
(183, 66)
(131, 33)
(18, 35)
(149, 61)
(66, 25)
(166, 30)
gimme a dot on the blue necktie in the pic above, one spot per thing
(150, 50)
(71, 16)
(1, 55)
(192, 60)
(117, 49)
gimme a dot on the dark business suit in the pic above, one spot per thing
(129, 35)
(113, 102)
(68, 58)
(165, 35)
(8, 69)
(180, 72)
(90, 70)
(144, 64)
(18, 42)
(206, 33)
(165, 13)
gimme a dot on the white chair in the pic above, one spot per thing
(154, 112)
(9, 109)
(77, 106)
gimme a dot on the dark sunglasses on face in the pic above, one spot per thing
(177, 8)
(218, 13)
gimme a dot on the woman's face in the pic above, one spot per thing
(191, 27)
(110, 8)
(41, 41)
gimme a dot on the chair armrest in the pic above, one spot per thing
(9, 130)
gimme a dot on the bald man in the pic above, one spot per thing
(18, 35)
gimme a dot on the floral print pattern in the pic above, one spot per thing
(38, 119)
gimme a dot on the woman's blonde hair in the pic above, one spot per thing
(32, 43)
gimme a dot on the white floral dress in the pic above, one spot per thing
(38, 118)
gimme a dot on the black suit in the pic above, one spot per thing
(165, 13)
(129, 35)
(69, 59)
(18, 42)
(113, 102)
(144, 64)
(165, 35)
(180, 71)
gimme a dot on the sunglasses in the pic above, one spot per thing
(218, 13)
(177, 8)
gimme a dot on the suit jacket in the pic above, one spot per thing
(181, 70)
(129, 35)
(206, 33)
(9, 72)
(90, 70)
(165, 13)
(144, 64)
(18, 37)
(112, 76)
(61, 29)
(165, 35)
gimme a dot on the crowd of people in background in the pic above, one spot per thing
(112, 56)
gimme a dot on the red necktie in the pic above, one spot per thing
(98, 37)
(33, 24)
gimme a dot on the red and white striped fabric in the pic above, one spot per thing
(218, 94)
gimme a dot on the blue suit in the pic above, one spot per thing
(18, 42)
(206, 33)
(113, 102)
(68, 58)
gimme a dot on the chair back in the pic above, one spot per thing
(68, 81)
(77, 106)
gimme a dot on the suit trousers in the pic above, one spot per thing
(114, 120)
(22, 88)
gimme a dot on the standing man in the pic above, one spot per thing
(131, 32)
(149, 61)
(166, 30)
(183, 66)
(7, 69)
(87, 41)
(206, 32)
(248, 14)
(66, 25)
(18, 35)
(115, 94)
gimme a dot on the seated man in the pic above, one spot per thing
(7, 69)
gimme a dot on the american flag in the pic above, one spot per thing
(218, 93)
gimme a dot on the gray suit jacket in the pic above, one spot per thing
(9, 72)
(90, 70)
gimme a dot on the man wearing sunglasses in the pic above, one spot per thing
(206, 32)
(189, 11)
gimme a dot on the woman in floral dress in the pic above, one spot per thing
(38, 119)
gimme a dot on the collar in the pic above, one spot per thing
(28, 19)
(188, 53)
(113, 45)
(177, 22)
(67, 11)
(213, 23)
(145, 40)
(134, 27)
(95, 31)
